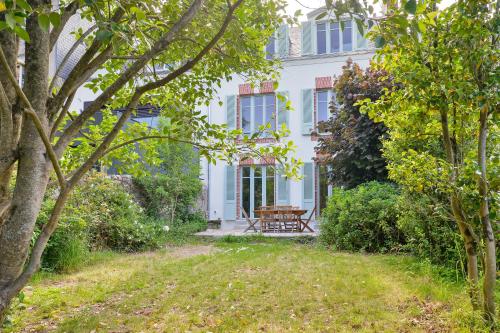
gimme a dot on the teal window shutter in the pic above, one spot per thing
(307, 38)
(307, 111)
(230, 193)
(282, 111)
(231, 112)
(283, 190)
(283, 43)
(308, 186)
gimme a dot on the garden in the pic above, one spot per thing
(408, 240)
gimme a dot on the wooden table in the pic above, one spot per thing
(282, 219)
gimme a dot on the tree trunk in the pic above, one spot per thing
(466, 231)
(33, 168)
(488, 235)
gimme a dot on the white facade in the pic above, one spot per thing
(304, 73)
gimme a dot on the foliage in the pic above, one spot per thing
(101, 215)
(171, 190)
(352, 149)
(429, 230)
(362, 219)
(447, 64)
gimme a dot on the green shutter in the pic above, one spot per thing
(308, 186)
(282, 111)
(283, 43)
(307, 38)
(307, 111)
(231, 112)
(230, 193)
(283, 189)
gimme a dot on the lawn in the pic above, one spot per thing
(271, 286)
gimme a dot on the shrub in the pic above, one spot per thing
(429, 231)
(362, 219)
(100, 215)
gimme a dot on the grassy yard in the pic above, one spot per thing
(271, 286)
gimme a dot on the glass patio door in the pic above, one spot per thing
(257, 188)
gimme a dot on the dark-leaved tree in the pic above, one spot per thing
(352, 150)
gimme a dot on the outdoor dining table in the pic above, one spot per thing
(282, 219)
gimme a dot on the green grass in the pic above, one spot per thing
(247, 286)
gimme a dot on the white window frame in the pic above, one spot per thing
(329, 99)
(253, 127)
(328, 25)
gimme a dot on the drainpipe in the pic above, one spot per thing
(208, 168)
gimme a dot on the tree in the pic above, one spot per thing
(441, 122)
(353, 148)
(125, 40)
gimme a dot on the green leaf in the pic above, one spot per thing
(411, 6)
(24, 5)
(22, 33)
(44, 21)
(139, 14)
(10, 20)
(103, 35)
(379, 41)
(421, 26)
(55, 19)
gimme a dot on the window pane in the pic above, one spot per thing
(270, 48)
(334, 37)
(321, 37)
(258, 187)
(322, 106)
(246, 172)
(246, 113)
(270, 186)
(270, 111)
(258, 113)
(245, 196)
(347, 36)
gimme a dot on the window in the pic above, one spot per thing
(334, 37)
(256, 111)
(323, 111)
(321, 37)
(246, 114)
(257, 188)
(331, 38)
(347, 36)
(271, 48)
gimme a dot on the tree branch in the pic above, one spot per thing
(148, 137)
(190, 63)
(61, 116)
(34, 117)
(70, 52)
(68, 12)
(127, 75)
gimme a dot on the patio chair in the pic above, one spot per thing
(305, 223)
(251, 223)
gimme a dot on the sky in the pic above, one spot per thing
(309, 5)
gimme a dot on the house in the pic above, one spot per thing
(311, 55)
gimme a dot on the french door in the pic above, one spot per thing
(257, 188)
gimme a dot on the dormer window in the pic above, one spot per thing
(321, 37)
(324, 36)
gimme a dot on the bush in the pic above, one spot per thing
(428, 230)
(362, 219)
(100, 215)
(171, 191)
